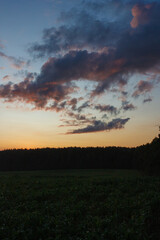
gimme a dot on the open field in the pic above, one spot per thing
(79, 204)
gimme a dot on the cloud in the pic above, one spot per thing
(15, 62)
(57, 74)
(76, 119)
(77, 65)
(99, 126)
(106, 47)
(104, 116)
(73, 103)
(142, 87)
(146, 100)
(6, 78)
(141, 46)
(106, 108)
(35, 92)
(128, 107)
(141, 14)
(91, 25)
(104, 51)
(79, 117)
(83, 106)
(85, 32)
(57, 107)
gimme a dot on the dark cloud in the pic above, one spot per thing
(99, 126)
(104, 116)
(115, 50)
(77, 65)
(105, 48)
(34, 92)
(57, 107)
(76, 119)
(92, 25)
(124, 93)
(141, 14)
(140, 47)
(83, 106)
(146, 100)
(85, 32)
(112, 7)
(106, 108)
(73, 103)
(79, 117)
(128, 107)
(142, 87)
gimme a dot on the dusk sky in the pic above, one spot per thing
(79, 73)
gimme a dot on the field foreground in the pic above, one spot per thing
(79, 205)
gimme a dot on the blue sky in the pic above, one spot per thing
(79, 73)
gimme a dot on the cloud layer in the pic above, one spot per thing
(106, 47)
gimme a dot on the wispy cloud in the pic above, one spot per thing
(106, 108)
(6, 78)
(99, 126)
(146, 100)
(143, 87)
(15, 62)
(126, 106)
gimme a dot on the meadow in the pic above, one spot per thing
(79, 205)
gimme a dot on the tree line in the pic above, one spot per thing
(145, 158)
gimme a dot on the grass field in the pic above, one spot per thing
(79, 205)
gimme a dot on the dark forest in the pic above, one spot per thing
(145, 158)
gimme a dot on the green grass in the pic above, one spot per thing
(79, 204)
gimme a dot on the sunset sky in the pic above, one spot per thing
(79, 73)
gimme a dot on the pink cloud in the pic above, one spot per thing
(6, 78)
(15, 62)
(142, 87)
(141, 14)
